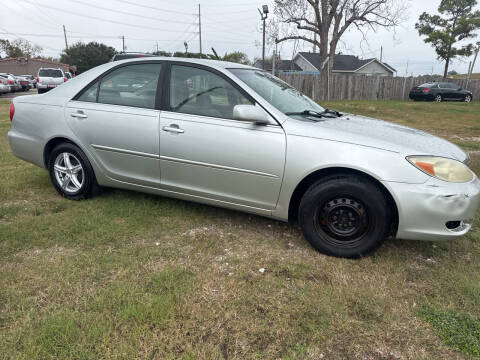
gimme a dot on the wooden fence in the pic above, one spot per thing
(361, 87)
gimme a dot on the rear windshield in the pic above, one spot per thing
(427, 85)
(68, 76)
(55, 73)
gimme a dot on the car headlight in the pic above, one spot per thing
(442, 168)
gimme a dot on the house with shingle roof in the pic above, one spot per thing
(344, 64)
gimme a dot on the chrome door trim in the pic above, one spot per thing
(215, 166)
(124, 151)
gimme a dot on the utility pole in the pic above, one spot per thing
(65, 35)
(157, 47)
(473, 64)
(263, 16)
(123, 43)
(381, 54)
(200, 28)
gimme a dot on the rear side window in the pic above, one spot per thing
(55, 73)
(131, 85)
(90, 94)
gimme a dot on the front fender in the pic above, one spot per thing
(306, 155)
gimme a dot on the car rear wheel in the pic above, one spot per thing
(438, 98)
(71, 173)
(468, 98)
(345, 216)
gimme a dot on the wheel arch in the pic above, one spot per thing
(51, 144)
(307, 181)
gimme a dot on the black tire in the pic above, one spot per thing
(89, 186)
(468, 99)
(438, 98)
(345, 216)
(40, 91)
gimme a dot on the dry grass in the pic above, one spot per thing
(133, 276)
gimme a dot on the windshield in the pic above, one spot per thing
(277, 92)
(55, 73)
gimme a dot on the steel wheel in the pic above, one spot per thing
(342, 221)
(468, 98)
(69, 172)
(438, 98)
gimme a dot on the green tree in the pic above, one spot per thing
(457, 22)
(87, 56)
(237, 57)
(162, 53)
(19, 48)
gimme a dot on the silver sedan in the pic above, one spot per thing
(234, 136)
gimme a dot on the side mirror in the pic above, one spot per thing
(250, 113)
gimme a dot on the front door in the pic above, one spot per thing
(116, 118)
(205, 153)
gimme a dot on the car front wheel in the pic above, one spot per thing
(71, 172)
(345, 216)
(468, 98)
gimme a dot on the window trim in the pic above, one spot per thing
(167, 83)
(100, 77)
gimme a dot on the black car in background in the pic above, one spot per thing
(440, 92)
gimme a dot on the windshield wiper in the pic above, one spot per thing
(307, 113)
(333, 112)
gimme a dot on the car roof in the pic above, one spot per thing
(207, 62)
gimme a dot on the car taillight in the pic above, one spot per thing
(426, 90)
(10, 81)
(64, 79)
(12, 110)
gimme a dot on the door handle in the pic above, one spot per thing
(79, 115)
(173, 129)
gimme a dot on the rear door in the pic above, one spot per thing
(116, 118)
(205, 153)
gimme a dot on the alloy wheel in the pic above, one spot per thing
(69, 172)
(438, 98)
(468, 98)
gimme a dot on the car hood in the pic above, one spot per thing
(365, 131)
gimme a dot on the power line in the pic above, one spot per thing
(154, 8)
(127, 13)
(105, 20)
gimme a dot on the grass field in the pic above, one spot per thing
(133, 276)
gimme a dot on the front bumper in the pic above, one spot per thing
(432, 211)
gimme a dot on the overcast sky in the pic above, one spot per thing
(227, 25)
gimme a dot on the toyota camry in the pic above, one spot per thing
(234, 136)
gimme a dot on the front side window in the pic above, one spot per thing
(201, 92)
(131, 85)
(277, 92)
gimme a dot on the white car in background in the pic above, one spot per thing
(4, 88)
(49, 78)
(12, 82)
